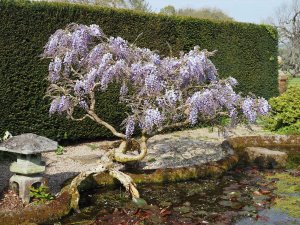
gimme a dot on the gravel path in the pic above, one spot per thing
(176, 149)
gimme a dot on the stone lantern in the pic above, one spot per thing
(29, 166)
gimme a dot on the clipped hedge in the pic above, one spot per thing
(247, 52)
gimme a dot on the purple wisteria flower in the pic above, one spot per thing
(155, 58)
(263, 106)
(105, 61)
(69, 58)
(171, 96)
(136, 72)
(225, 96)
(95, 55)
(124, 90)
(195, 68)
(107, 77)
(151, 119)
(232, 81)
(119, 47)
(95, 31)
(248, 108)
(203, 103)
(55, 69)
(50, 48)
(89, 80)
(211, 72)
(54, 106)
(80, 41)
(59, 105)
(79, 88)
(130, 127)
(153, 84)
(170, 65)
(83, 104)
(163, 90)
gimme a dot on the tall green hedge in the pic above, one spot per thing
(247, 52)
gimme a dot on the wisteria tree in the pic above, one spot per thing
(162, 93)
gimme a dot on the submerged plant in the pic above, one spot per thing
(288, 191)
(162, 92)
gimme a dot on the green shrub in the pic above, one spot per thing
(292, 129)
(60, 150)
(285, 117)
(294, 81)
(247, 52)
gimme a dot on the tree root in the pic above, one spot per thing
(124, 179)
(73, 188)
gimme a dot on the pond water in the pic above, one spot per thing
(242, 196)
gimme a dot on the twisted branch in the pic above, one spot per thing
(79, 119)
(94, 116)
(121, 156)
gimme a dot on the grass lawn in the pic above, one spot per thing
(294, 82)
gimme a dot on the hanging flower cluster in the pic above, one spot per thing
(163, 90)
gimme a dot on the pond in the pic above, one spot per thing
(244, 195)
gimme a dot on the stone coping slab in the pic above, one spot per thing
(180, 151)
(264, 141)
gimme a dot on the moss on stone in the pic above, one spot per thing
(213, 169)
(293, 161)
(288, 191)
(264, 141)
(38, 213)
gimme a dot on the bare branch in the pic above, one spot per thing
(174, 125)
(80, 119)
(94, 117)
(92, 96)
(133, 43)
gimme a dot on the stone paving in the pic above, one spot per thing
(175, 149)
(176, 152)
